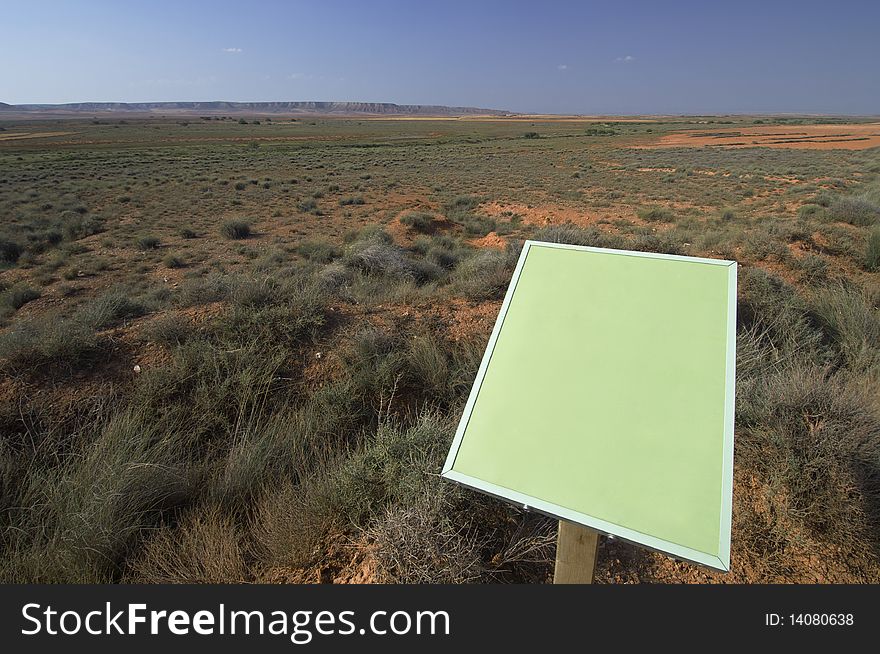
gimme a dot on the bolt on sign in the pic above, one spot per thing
(605, 397)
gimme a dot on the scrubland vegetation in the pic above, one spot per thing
(229, 363)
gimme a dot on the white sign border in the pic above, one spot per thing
(720, 562)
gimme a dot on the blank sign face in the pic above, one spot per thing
(605, 397)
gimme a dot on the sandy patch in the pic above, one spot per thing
(811, 137)
(490, 240)
(553, 214)
(16, 136)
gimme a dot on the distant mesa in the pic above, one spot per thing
(314, 108)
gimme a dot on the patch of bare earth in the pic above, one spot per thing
(342, 562)
(553, 214)
(859, 136)
(490, 240)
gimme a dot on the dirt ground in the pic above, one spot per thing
(812, 137)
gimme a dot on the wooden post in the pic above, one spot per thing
(575, 554)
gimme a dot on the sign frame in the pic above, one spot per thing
(720, 562)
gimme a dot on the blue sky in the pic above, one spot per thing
(555, 57)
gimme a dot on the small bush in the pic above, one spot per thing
(855, 211)
(462, 203)
(307, 206)
(661, 243)
(573, 235)
(206, 547)
(10, 251)
(446, 258)
(391, 261)
(345, 202)
(656, 214)
(815, 439)
(50, 342)
(169, 331)
(478, 225)
(187, 233)
(851, 324)
(318, 251)
(87, 517)
(76, 225)
(808, 210)
(173, 261)
(17, 296)
(872, 251)
(105, 310)
(148, 243)
(235, 229)
(420, 222)
(485, 275)
(813, 268)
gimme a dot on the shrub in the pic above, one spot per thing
(76, 225)
(333, 276)
(10, 251)
(186, 232)
(856, 211)
(573, 235)
(389, 260)
(462, 203)
(478, 225)
(446, 258)
(778, 315)
(420, 222)
(108, 308)
(656, 214)
(531, 135)
(173, 261)
(345, 490)
(215, 287)
(307, 206)
(85, 518)
(169, 331)
(372, 251)
(808, 210)
(148, 242)
(428, 366)
(485, 275)
(50, 342)
(417, 542)
(872, 250)
(17, 296)
(318, 251)
(235, 229)
(205, 547)
(370, 233)
(345, 202)
(814, 438)
(813, 268)
(851, 324)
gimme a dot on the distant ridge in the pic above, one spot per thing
(335, 108)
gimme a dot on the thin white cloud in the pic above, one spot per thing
(562, 67)
(232, 50)
(628, 59)
(299, 76)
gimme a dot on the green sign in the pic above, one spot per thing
(606, 397)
